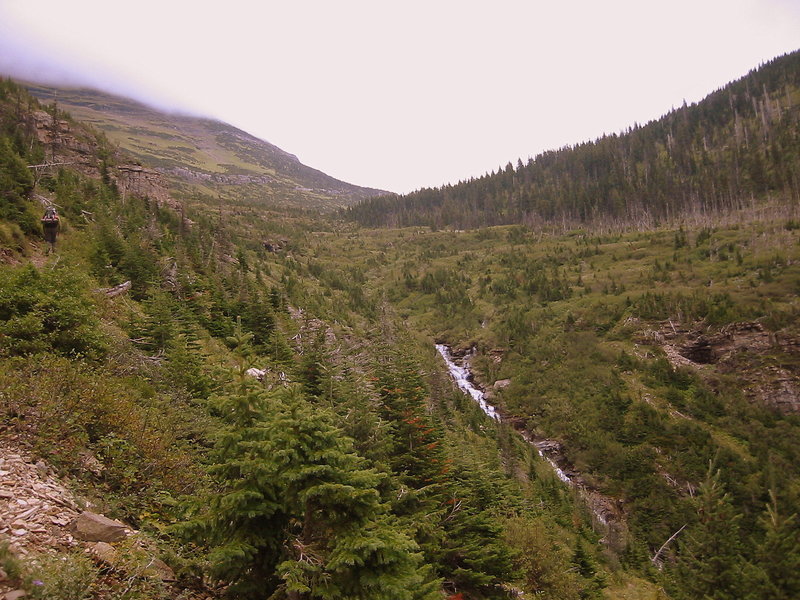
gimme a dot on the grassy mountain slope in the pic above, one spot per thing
(205, 157)
(741, 142)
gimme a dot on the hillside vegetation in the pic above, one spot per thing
(650, 357)
(353, 470)
(658, 363)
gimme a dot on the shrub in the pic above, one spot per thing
(64, 576)
(60, 577)
(11, 236)
(47, 310)
(69, 410)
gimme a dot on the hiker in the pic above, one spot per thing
(50, 226)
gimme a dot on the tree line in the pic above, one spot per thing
(739, 143)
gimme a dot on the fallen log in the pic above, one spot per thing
(115, 291)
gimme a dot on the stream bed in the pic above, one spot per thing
(604, 511)
(463, 378)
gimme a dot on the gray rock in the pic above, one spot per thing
(160, 570)
(92, 527)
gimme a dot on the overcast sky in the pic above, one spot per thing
(401, 95)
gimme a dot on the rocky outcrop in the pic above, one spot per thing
(256, 373)
(40, 515)
(117, 290)
(134, 179)
(765, 361)
(501, 384)
(274, 246)
(777, 387)
(223, 178)
(59, 135)
(64, 144)
(73, 145)
(35, 509)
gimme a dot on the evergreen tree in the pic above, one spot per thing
(778, 554)
(160, 325)
(185, 366)
(474, 558)
(587, 569)
(244, 520)
(417, 456)
(545, 566)
(462, 542)
(311, 369)
(343, 543)
(279, 350)
(259, 319)
(298, 514)
(16, 185)
(710, 564)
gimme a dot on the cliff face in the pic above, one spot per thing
(70, 144)
(65, 143)
(766, 362)
(141, 181)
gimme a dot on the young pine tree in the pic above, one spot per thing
(297, 515)
(710, 564)
(343, 544)
(778, 554)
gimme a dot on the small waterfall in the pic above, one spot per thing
(462, 377)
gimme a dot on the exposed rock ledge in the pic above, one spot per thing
(740, 349)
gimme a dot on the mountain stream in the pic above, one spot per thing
(605, 512)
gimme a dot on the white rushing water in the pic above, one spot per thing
(461, 376)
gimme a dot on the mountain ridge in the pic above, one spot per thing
(741, 142)
(204, 156)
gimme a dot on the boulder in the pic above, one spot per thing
(104, 552)
(160, 570)
(501, 384)
(92, 527)
(257, 373)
